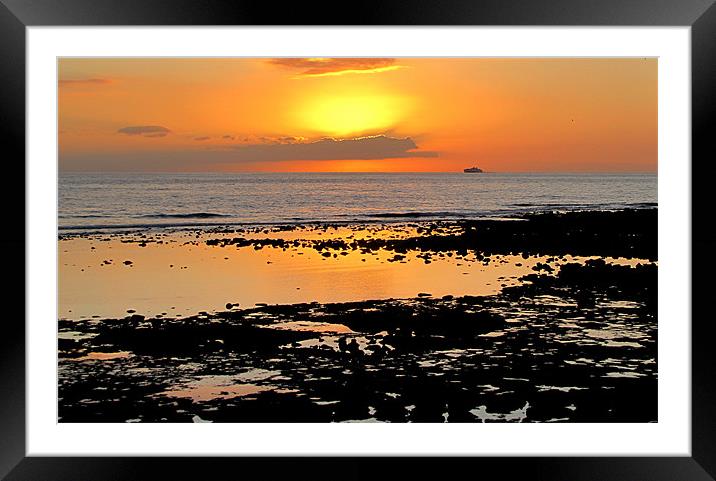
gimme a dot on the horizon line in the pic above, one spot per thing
(635, 172)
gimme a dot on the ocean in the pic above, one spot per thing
(101, 201)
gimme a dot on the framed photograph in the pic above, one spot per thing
(297, 241)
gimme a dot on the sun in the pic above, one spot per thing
(351, 115)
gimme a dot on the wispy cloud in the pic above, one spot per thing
(83, 82)
(323, 67)
(202, 138)
(145, 130)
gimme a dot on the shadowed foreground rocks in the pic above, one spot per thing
(630, 233)
(577, 343)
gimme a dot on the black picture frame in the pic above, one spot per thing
(16, 15)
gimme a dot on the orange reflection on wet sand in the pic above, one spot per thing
(207, 388)
(104, 356)
(180, 275)
(310, 326)
(210, 388)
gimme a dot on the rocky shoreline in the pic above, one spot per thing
(573, 342)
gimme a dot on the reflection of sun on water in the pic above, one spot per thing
(179, 278)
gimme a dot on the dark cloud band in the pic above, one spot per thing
(380, 147)
(145, 130)
(83, 82)
(364, 148)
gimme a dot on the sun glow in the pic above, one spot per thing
(246, 114)
(341, 116)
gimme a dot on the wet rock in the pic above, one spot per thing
(533, 352)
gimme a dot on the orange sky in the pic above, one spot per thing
(373, 114)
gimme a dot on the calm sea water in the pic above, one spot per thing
(99, 201)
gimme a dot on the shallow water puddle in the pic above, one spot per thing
(207, 388)
(311, 326)
(178, 274)
(104, 356)
(518, 415)
(109, 277)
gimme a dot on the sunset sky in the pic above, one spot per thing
(358, 114)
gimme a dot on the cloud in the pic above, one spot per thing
(228, 137)
(84, 82)
(380, 147)
(323, 67)
(362, 148)
(283, 139)
(145, 130)
(202, 138)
